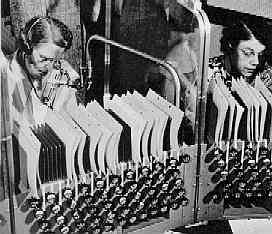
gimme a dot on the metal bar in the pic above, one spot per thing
(198, 112)
(0, 80)
(83, 64)
(204, 29)
(179, 80)
(202, 97)
(107, 49)
(200, 73)
(204, 83)
(202, 102)
(7, 140)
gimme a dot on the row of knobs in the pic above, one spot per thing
(116, 201)
(241, 180)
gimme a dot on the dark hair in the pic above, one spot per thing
(44, 29)
(233, 35)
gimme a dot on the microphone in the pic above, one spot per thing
(72, 84)
(56, 78)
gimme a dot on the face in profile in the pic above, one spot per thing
(40, 62)
(248, 53)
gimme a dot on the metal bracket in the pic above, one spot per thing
(197, 224)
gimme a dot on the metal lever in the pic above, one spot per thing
(180, 80)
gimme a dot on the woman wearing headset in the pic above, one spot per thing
(30, 74)
(40, 44)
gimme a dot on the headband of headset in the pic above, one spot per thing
(24, 38)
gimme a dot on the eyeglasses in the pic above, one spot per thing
(250, 53)
(41, 59)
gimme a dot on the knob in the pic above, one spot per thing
(61, 220)
(132, 219)
(266, 162)
(115, 180)
(56, 209)
(34, 203)
(237, 195)
(185, 158)
(224, 175)
(215, 155)
(241, 187)
(51, 198)
(142, 212)
(217, 198)
(263, 152)
(158, 167)
(68, 193)
(109, 223)
(79, 227)
(45, 226)
(39, 214)
(269, 193)
(64, 230)
(251, 163)
(249, 150)
(221, 163)
(153, 208)
(249, 193)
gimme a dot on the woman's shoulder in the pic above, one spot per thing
(217, 61)
(266, 76)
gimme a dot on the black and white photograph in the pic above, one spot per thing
(136, 117)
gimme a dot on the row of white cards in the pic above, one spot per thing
(147, 118)
(254, 103)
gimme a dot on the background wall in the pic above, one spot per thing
(254, 7)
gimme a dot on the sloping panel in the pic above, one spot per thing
(254, 7)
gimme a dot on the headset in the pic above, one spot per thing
(24, 36)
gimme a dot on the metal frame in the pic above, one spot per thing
(204, 28)
(194, 6)
(170, 68)
(7, 139)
